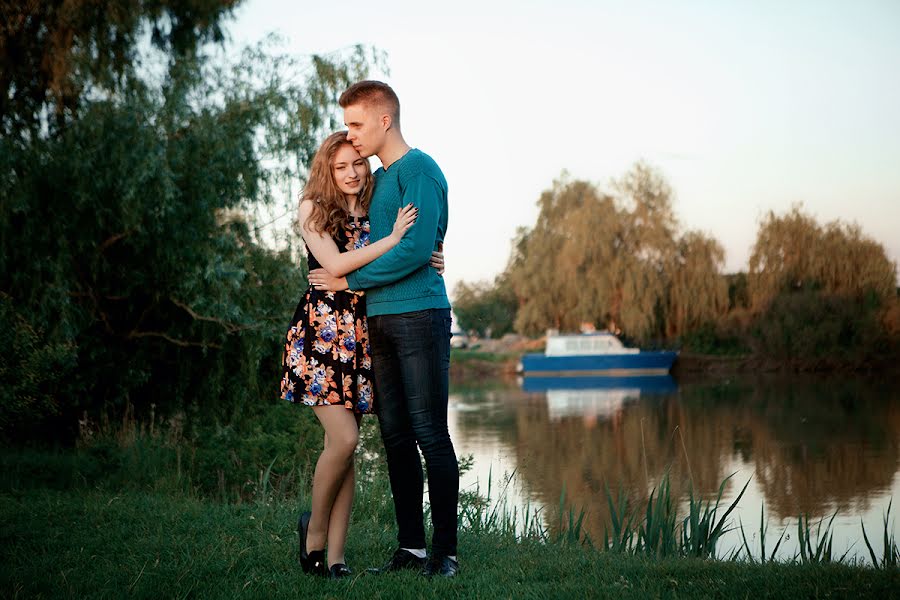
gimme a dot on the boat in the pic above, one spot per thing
(596, 354)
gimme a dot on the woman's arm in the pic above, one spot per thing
(339, 263)
(321, 280)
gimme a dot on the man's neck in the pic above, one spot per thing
(393, 151)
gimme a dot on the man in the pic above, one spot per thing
(409, 328)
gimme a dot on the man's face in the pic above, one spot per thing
(365, 129)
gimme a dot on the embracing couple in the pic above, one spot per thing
(372, 333)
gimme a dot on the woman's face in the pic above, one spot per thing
(349, 170)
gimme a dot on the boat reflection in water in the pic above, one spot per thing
(596, 398)
(807, 445)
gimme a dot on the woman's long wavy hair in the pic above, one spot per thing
(331, 213)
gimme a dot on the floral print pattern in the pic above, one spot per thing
(327, 358)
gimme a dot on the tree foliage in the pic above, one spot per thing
(793, 253)
(487, 308)
(816, 296)
(821, 292)
(698, 293)
(615, 260)
(53, 52)
(131, 271)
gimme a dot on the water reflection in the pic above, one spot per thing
(810, 446)
(593, 398)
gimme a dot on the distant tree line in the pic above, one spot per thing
(131, 270)
(618, 260)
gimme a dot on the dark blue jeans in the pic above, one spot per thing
(411, 361)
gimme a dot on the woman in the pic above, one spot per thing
(326, 360)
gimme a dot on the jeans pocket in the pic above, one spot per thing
(415, 315)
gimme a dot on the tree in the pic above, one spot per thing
(821, 292)
(614, 260)
(698, 294)
(488, 308)
(793, 252)
(131, 269)
(54, 52)
(547, 287)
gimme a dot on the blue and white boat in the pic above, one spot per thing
(598, 354)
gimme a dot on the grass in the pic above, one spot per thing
(141, 512)
(101, 544)
(474, 355)
(890, 557)
(763, 530)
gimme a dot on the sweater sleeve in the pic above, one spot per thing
(414, 250)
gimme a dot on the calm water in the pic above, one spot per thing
(811, 446)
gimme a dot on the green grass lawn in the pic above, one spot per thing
(98, 543)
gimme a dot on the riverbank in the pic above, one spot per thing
(100, 543)
(480, 363)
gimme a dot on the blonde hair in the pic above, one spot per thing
(330, 211)
(373, 93)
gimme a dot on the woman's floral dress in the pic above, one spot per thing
(327, 359)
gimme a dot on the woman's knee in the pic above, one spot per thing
(342, 443)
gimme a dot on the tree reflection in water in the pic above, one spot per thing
(812, 446)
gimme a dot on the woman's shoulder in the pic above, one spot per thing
(306, 207)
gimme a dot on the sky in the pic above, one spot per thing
(744, 107)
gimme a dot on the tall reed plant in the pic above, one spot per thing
(890, 558)
(763, 529)
(700, 531)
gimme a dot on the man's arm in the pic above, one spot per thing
(323, 280)
(414, 250)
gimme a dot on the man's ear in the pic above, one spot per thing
(386, 122)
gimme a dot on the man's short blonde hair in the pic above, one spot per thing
(373, 93)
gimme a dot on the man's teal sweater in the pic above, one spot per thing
(400, 280)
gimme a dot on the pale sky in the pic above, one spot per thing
(744, 107)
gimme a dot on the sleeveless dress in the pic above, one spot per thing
(327, 358)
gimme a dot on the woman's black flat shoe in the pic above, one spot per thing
(339, 571)
(312, 562)
(315, 564)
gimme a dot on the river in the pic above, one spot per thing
(806, 445)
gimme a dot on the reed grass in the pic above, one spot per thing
(763, 529)
(100, 543)
(820, 550)
(700, 531)
(621, 524)
(890, 558)
(158, 461)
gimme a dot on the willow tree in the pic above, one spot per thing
(131, 268)
(546, 286)
(53, 52)
(614, 260)
(822, 293)
(649, 249)
(793, 252)
(698, 294)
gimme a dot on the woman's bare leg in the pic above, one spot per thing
(339, 522)
(341, 437)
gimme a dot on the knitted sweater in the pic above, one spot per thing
(400, 280)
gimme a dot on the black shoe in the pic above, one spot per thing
(314, 561)
(440, 565)
(402, 559)
(339, 571)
